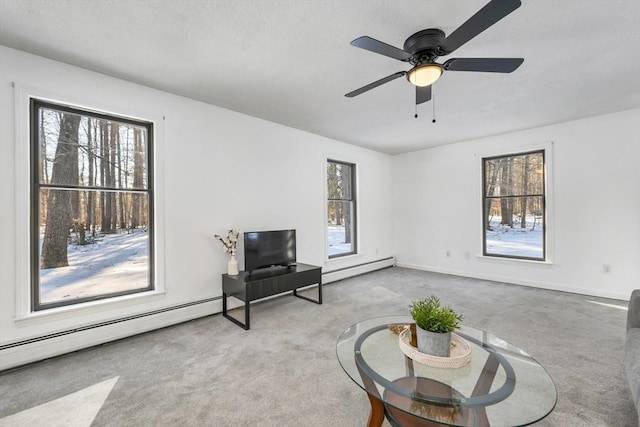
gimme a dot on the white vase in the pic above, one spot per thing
(232, 266)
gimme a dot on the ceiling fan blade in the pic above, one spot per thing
(487, 65)
(376, 46)
(423, 94)
(376, 84)
(491, 13)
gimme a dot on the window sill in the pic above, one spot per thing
(502, 260)
(91, 307)
(336, 260)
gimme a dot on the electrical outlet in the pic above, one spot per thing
(467, 255)
(448, 254)
(606, 268)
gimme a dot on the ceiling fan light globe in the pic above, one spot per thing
(424, 75)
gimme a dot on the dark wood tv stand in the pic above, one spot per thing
(264, 283)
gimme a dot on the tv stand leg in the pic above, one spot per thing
(317, 301)
(246, 315)
(225, 313)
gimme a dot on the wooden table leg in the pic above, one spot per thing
(376, 416)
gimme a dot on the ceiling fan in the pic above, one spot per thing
(423, 48)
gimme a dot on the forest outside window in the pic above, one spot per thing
(514, 206)
(341, 209)
(91, 206)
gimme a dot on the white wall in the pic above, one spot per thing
(216, 169)
(594, 202)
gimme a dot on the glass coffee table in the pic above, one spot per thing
(500, 386)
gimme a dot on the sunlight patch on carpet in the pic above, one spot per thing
(619, 307)
(77, 409)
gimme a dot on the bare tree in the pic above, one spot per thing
(105, 178)
(113, 144)
(525, 190)
(91, 158)
(494, 169)
(138, 176)
(346, 186)
(506, 184)
(54, 245)
(44, 166)
(119, 166)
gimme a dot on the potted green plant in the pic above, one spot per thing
(434, 324)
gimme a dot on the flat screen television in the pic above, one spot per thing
(263, 249)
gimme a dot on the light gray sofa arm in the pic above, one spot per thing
(632, 348)
(633, 315)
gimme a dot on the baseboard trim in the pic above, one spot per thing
(356, 270)
(30, 350)
(18, 353)
(519, 282)
(50, 345)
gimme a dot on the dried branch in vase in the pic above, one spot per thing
(230, 242)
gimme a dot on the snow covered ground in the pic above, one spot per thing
(516, 241)
(337, 245)
(114, 263)
(120, 262)
(501, 240)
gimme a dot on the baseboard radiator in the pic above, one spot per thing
(30, 350)
(18, 353)
(356, 270)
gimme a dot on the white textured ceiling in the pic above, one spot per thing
(290, 62)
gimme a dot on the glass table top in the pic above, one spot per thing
(501, 386)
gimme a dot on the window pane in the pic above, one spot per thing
(515, 227)
(91, 206)
(340, 227)
(514, 206)
(514, 175)
(92, 244)
(344, 181)
(90, 151)
(340, 209)
(339, 180)
(333, 191)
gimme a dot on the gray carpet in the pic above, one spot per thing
(284, 371)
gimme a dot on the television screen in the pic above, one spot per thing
(269, 248)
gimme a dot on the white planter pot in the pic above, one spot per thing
(434, 343)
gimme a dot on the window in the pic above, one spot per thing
(514, 206)
(91, 206)
(341, 209)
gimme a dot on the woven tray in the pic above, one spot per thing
(460, 352)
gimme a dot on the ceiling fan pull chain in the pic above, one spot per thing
(433, 101)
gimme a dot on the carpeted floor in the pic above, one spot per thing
(284, 371)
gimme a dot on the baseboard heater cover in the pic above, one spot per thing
(30, 350)
(356, 270)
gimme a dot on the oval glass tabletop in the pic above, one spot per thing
(502, 385)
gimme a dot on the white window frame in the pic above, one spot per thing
(23, 310)
(356, 214)
(549, 202)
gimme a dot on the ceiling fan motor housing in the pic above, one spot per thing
(424, 44)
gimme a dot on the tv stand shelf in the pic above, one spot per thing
(264, 283)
